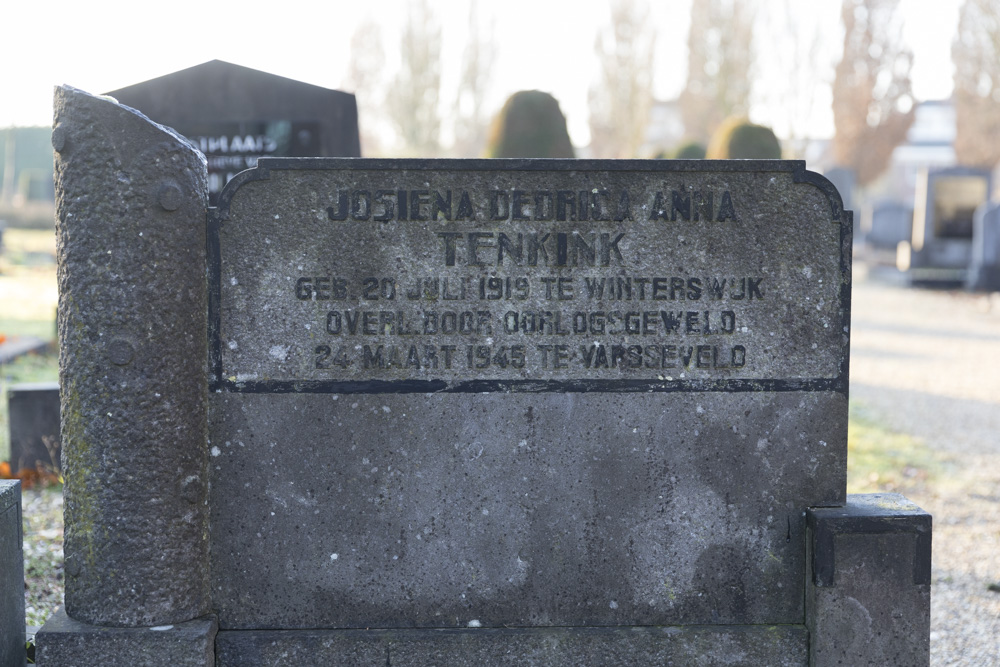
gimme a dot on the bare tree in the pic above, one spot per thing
(620, 102)
(976, 55)
(720, 63)
(471, 120)
(872, 99)
(366, 80)
(798, 51)
(413, 100)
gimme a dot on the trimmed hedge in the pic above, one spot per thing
(738, 138)
(529, 125)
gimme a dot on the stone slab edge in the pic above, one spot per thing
(63, 642)
(717, 645)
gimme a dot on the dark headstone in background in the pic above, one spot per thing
(887, 223)
(940, 250)
(34, 425)
(984, 271)
(235, 114)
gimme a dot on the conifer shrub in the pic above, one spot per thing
(689, 150)
(530, 124)
(739, 139)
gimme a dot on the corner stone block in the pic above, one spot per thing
(11, 575)
(868, 598)
(69, 643)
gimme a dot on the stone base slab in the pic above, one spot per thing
(63, 642)
(482, 647)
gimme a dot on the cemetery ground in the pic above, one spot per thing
(27, 308)
(925, 414)
(926, 363)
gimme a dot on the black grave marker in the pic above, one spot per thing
(235, 114)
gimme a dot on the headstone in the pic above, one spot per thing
(235, 114)
(984, 271)
(33, 411)
(11, 575)
(940, 249)
(503, 412)
(603, 336)
(888, 223)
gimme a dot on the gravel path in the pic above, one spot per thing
(927, 363)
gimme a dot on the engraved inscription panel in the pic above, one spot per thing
(492, 279)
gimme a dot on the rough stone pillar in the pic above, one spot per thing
(130, 202)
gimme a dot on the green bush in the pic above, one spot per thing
(738, 138)
(689, 150)
(529, 125)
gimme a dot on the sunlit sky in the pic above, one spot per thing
(548, 45)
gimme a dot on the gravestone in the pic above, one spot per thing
(236, 114)
(11, 575)
(888, 223)
(462, 412)
(940, 248)
(33, 411)
(984, 270)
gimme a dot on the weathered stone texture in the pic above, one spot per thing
(132, 316)
(574, 476)
(868, 602)
(434, 511)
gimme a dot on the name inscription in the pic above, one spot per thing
(527, 278)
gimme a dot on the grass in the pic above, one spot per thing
(43, 553)
(27, 308)
(879, 459)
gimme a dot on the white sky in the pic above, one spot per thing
(102, 45)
